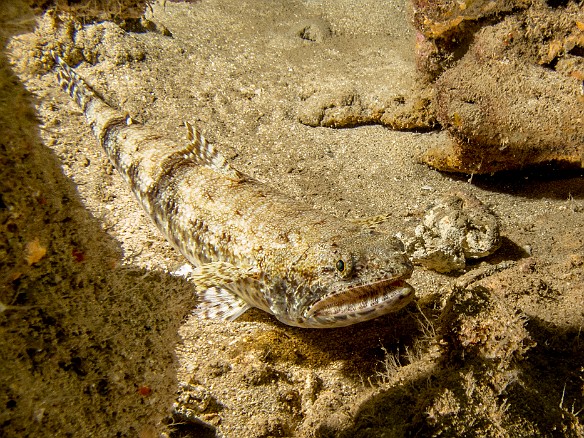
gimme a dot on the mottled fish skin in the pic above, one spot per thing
(252, 246)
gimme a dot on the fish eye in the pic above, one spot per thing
(340, 265)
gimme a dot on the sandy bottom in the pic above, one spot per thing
(97, 335)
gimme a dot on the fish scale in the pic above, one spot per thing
(252, 246)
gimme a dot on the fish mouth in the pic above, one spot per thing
(362, 302)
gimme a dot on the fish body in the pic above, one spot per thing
(251, 245)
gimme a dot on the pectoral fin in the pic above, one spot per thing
(219, 302)
(226, 291)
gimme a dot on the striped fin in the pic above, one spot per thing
(205, 154)
(72, 83)
(101, 117)
(226, 290)
(221, 303)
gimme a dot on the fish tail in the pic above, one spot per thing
(101, 117)
(72, 83)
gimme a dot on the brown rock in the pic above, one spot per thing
(514, 99)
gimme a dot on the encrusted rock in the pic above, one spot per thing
(456, 228)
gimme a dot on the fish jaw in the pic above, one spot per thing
(360, 304)
(354, 305)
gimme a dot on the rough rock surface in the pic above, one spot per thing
(515, 98)
(455, 228)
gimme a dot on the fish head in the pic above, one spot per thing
(341, 281)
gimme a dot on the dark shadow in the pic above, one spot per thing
(87, 345)
(546, 392)
(509, 250)
(361, 347)
(545, 181)
(557, 3)
(550, 386)
(181, 429)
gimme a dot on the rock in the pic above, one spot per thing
(514, 98)
(456, 228)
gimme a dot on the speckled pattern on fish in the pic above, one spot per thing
(251, 245)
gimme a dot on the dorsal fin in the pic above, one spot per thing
(205, 154)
